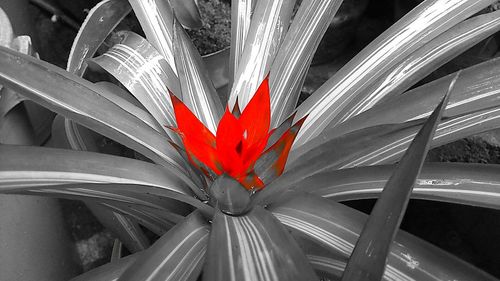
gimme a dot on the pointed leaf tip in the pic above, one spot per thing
(369, 256)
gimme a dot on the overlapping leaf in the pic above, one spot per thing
(422, 24)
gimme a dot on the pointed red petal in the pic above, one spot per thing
(272, 162)
(256, 117)
(229, 144)
(197, 139)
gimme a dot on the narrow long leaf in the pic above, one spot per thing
(241, 12)
(140, 195)
(423, 61)
(178, 255)
(324, 156)
(253, 247)
(477, 88)
(290, 67)
(100, 21)
(269, 24)
(198, 91)
(76, 99)
(186, 11)
(157, 19)
(369, 256)
(422, 24)
(143, 71)
(337, 228)
(48, 166)
(460, 183)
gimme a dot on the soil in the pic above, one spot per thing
(467, 232)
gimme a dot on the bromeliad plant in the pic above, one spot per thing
(252, 194)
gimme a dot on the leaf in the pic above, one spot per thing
(49, 166)
(476, 89)
(76, 99)
(268, 27)
(157, 19)
(367, 262)
(98, 24)
(178, 255)
(253, 247)
(119, 97)
(290, 67)
(127, 230)
(460, 183)
(142, 70)
(418, 27)
(186, 11)
(425, 60)
(110, 271)
(241, 14)
(272, 161)
(326, 155)
(198, 91)
(337, 227)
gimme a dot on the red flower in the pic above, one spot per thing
(239, 142)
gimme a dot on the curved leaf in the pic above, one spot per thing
(290, 67)
(368, 259)
(337, 227)
(100, 21)
(142, 70)
(177, 255)
(467, 184)
(477, 88)
(76, 99)
(422, 24)
(49, 166)
(268, 28)
(253, 247)
(423, 61)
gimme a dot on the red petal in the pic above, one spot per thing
(256, 117)
(197, 139)
(251, 181)
(229, 144)
(280, 149)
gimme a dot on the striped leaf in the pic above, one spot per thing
(418, 27)
(337, 228)
(197, 89)
(143, 71)
(98, 24)
(48, 166)
(157, 19)
(368, 259)
(290, 67)
(241, 11)
(423, 61)
(77, 99)
(477, 88)
(270, 22)
(460, 183)
(178, 255)
(253, 247)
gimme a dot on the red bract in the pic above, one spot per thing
(239, 141)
